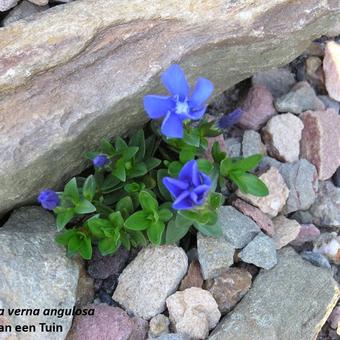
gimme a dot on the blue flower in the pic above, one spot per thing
(182, 103)
(49, 199)
(191, 187)
(230, 119)
(100, 161)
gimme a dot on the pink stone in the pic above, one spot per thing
(334, 318)
(320, 142)
(308, 233)
(286, 230)
(261, 219)
(193, 278)
(331, 67)
(258, 108)
(109, 323)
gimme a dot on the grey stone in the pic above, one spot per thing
(330, 103)
(237, 228)
(215, 255)
(302, 180)
(149, 279)
(159, 325)
(173, 336)
(233, 147)
(261, 251)
(35, 272)
(62, 90)
(316, 259)
(326, 209)
(252, 144)
(5, 5)
(300, 98)
(278, 80)
(303, 217)
(24, 10)
(291, 301)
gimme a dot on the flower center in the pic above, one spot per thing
(182, 107)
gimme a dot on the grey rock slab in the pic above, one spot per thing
(233, 147)
(149, 279)
(278, 80)
(330, 103)
(252, 144)
(35, 272)
(291, 301)
(326, 209)
(24, 10)
(237, 228)
(300, 98)
(336, 178)
(5, 5)
(63, 90)
(215, 255)
(261, 252)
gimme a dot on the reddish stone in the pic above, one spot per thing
(331, 67)
(193, 278)
(109, 323)
(308, 233)
(320, 142)
(229, 288)
(261, 219)
(258, 108)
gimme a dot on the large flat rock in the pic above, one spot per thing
(291, 301)
(78, 72)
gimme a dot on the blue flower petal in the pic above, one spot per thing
(202, 91)
(172, 126)
(230, 119)
(174, 80)
(175, 186)
(205, 179)
(158, 106)
(197, 114)
(202, 189)
(189, 173)
(183, 201)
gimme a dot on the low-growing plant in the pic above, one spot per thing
(154, 187)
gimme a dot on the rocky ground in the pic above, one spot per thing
(275, 272)
(14, 10)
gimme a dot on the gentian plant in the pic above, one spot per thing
(154, 188)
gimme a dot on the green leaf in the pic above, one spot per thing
(176, 231)
(130, 152)
(250, 184)
(147, 202)
(91, 155)
(165, 215)
(216, 199)
(116, 219)
(226, 166)
(150, 146)
(64, 237)
(132, 187)
(63, 218)
(192, 138)
(89, 188)
(216, 153)
(119, 170)
(108, 246)
(138, 237)
(161, 173)
(205, 166)
(155, 232)
(98, 225)
(107, 148)
(84, 207)
(109, 183)
(213, 230)
(174, 168)
(120, 144)
(247, 163)
(124, 238)
(187, 154)
(152, 163)
(71, 190)
(138, 139)
(125, 205)
(137, 221)
(74, 243)
(85, 249)
(138, 170)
